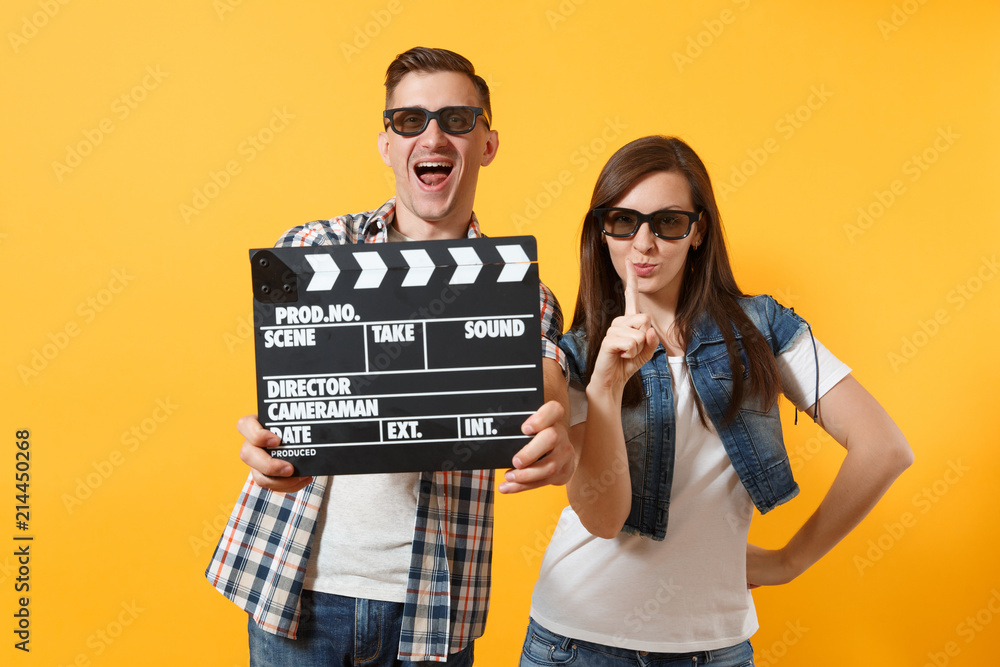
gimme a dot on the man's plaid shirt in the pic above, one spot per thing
(260, 562)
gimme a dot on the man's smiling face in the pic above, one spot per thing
(436, 172)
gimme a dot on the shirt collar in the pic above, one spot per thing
(384, 216)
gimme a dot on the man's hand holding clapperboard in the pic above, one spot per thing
(398, 357)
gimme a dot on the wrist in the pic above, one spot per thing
(604, 393)
(792, 563)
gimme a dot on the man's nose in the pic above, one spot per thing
(433, 135)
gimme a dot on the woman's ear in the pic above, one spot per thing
(699, 232)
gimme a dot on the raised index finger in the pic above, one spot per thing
(631, 288)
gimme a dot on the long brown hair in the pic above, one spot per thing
(708, 287)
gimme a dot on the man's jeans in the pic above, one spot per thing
(337, 630)
(549, 649)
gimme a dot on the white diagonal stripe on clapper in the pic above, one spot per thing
(325, 272)
(421, 268)
(469, 266)
(516, 263)
(372, 270)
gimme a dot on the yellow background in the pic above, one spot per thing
(126, 315)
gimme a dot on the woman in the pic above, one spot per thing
(650, 562)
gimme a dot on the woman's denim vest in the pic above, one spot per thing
(752, 439)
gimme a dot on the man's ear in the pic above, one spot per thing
(383, 147)
(490, 150)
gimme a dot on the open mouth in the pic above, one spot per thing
(432, 173)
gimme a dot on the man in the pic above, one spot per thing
(389, 569)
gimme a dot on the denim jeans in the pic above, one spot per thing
(342, 632)
(549, 649)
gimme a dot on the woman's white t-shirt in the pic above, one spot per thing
(687, 592)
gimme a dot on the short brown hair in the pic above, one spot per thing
(423, 59)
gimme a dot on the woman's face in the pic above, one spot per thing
(659, 263)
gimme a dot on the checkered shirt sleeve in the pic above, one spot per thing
(552, 324)
(260, 561)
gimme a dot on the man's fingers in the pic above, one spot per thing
(267, 472)
(281, 484)
(262, 462)
(631, 288)
(540, 445)
(549, 414)
(253, 454)
(546, 459)
(553, 468)
(256, 435)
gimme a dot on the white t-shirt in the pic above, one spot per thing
(364, 531)
(364, 537)
(687, 592)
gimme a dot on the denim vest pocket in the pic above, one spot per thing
(722, 376)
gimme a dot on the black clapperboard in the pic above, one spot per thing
(397, 357)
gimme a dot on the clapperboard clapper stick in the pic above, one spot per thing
(397, 357)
